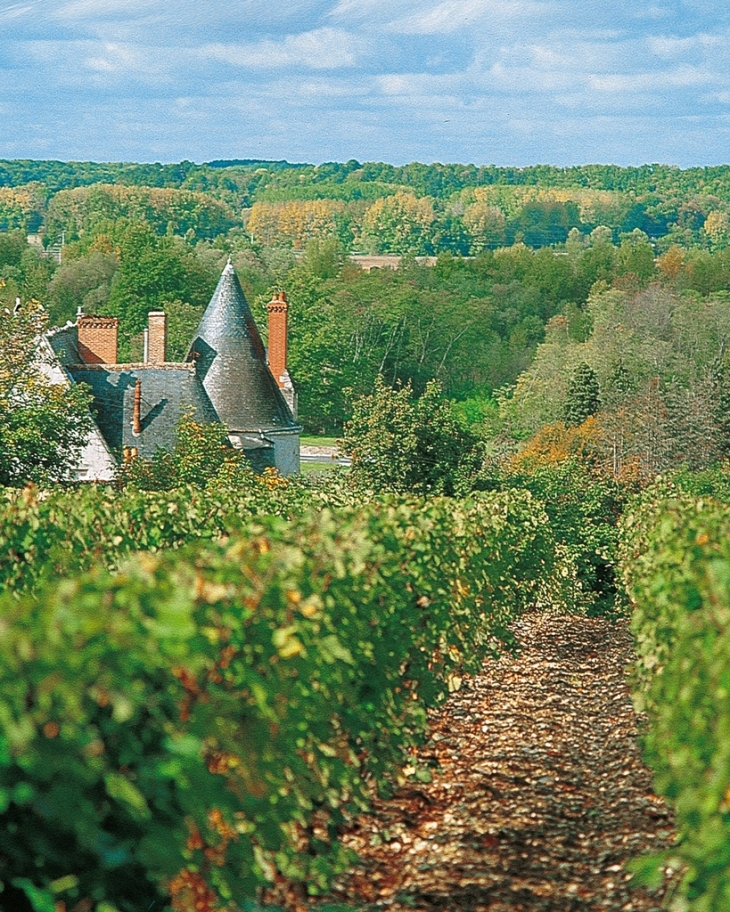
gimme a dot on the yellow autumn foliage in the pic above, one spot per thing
(511, 199)
(485, 225)
(716, 224)
(297, 221)
(398, 223)
(16, 204)
(671, 263)
(556, 443)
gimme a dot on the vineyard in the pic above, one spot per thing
(214, 681)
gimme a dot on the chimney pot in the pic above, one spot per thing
(137, 409)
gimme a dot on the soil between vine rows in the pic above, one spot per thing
(539, 796)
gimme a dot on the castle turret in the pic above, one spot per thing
(231, 362)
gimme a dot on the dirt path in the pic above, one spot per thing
(539, 796)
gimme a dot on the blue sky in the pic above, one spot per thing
(508, 82)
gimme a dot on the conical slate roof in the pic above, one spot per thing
(231, 362)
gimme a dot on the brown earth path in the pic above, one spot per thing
(539, 797)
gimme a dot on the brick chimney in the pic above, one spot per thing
(278, 348)
(155, 350)
(278, 318)
(98, 339)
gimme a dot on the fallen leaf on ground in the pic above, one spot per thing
(539, 796)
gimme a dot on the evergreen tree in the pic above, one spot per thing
(583, 398)
(720, 393)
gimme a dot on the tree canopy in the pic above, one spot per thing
(43, 423)
(518, 254)
(406, 444)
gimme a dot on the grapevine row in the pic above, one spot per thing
(676, 566)
(197, 720)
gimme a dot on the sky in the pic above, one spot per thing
(505, 82)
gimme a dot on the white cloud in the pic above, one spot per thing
(103, 9)
(517, 80)
(314, 89)
(651, 12)
(669, 46)
(631, 83)
(435, 17)
(524, 80)
(85, 65)
(18, 10)
(455, 15)
(320, 49)
(420, 84)
(362, 7)
(126, 60)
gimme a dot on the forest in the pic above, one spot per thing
(527, 260)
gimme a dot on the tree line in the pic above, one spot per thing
(462, 208)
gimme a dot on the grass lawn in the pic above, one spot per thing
(318, 441)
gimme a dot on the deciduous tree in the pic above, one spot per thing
(43, 424)
(399, 443)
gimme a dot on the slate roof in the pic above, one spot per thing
(231, 362)
(169, 392)
(64, 342)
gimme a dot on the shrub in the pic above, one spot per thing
(404, 444)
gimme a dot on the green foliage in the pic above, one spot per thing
(152, 273)
(182, 321)
(13, 245)
(478, 410)
(654, 355)
(542, 224)
(43, 424)
(58, 534)
(398, 443)
(24, 272)
(465, 323)
(584, 512)
(168, 211)
(202, 452)
(711, 482)
(583, 396)
(539, 205)
(201, 707)
(676, 567)
(468, 323)
(636, 257)
(83, 282)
